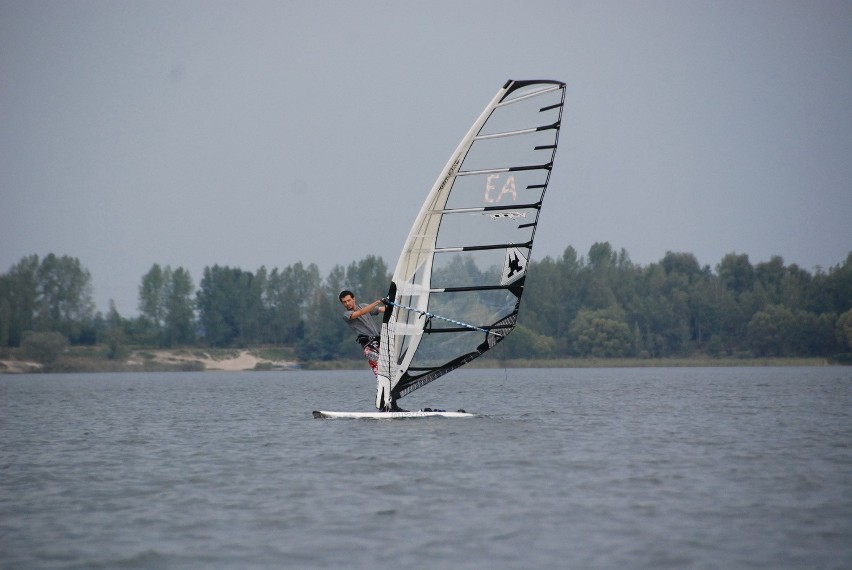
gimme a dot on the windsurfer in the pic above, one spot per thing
(360, 320)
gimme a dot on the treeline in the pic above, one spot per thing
(601, 305)
(604, 305)
(47, 303)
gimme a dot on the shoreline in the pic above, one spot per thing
(91, 360)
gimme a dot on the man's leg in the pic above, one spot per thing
(371, 353)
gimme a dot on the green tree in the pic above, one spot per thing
(5, 318)
(229, 305)
(152, 302)
(287, 299)
(600, 333)
(686, 288)
(368, 278)
(115, 337)
(166, 303)
(794, 287)
(601, 274)
(770, 331)
(43, 347)
(553, 297)
(18, 298)
(179, 307)
(736, 273)
(832, 291)
(660, 312)
(779, 331)
(816, 334)
(151, 293)
(738, 302)
(770, 276)
(525, 343)
(327, 337)
(64, 302)
(844, 330)
(282, 311)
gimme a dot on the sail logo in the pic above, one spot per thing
(507, 215)
(492, 196)
(514, 266)
(450, 174)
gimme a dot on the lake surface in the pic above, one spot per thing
(566, 468)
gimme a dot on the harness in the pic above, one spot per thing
(367, 340)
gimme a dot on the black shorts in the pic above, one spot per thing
(365, 341)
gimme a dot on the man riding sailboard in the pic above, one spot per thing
(360, 320)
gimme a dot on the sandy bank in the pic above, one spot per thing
(156, 360)
(244, 360)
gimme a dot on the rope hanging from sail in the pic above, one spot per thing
(434, 316)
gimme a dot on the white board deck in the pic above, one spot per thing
(391, 415)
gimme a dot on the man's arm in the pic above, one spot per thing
(368, 309)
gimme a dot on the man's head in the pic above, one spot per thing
(348, 299)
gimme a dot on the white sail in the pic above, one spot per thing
(458, 282)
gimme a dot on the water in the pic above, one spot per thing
(604, 468)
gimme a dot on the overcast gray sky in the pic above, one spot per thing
(191, 133)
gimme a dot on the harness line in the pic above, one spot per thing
(434, 316)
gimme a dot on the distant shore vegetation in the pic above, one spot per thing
(600, 309)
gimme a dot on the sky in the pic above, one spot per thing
(251, 133)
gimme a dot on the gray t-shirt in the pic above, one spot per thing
(364, 324)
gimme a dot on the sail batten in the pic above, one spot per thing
(457, 286)
(548, 166)
(481, 247)
(509, 133)
(529, 95)
(486, 209)
(482, 171)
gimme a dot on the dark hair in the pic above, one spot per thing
(344, 293)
